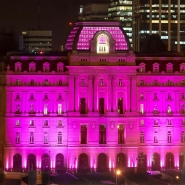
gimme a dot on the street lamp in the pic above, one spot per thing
(118, 172)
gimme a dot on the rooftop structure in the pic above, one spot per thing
(84, 32)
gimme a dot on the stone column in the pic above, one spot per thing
(27, 103)
(90, 94)
(76, 91)
(24, 102)
(114, 97)
(128, 94)
(96, 100)
(71, 94)
(66, 102)
(133, 94)
(109, 94)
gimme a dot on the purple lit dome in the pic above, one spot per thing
(83, 32)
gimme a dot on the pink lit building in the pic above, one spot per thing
(98, 108)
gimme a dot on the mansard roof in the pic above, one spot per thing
(83, 32)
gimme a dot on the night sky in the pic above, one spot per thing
(19, 15)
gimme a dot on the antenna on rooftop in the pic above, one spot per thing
(38, 14)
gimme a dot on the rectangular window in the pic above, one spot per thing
(60, 82)
(120, 82)
(59, 122)
(82, 105)
(120, 106)
(155, 137)
(101, 82)
(45, 109)
(17, 140)
(17, 123)
(31, 122)
(45, 122)
(31, 108)
(32, 82)
(59, 137)
(59, 108)
(142, 139)
(101, 106)
(142, 122)
(45, 138)
(120, 134)
(142, 108)
(31, 138)
(102, 133)
(83, 134)
(169, 137)
(182, 137)
(18, 82)
(183, 122)
(17, 111)
(46, 82)
(82, 82)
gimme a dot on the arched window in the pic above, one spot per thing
(142, 160)
(59, 163)
(102, 44)
(142, 137)
(17, 162)
(59, 137)
(31, 137)
(182, 137)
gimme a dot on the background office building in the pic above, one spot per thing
(94, 11)
(146, 17)
(121, 10)
(36, 41)
(163, 17)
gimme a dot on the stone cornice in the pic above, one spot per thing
(102, 69)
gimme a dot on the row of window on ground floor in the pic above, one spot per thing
(102, 162)
(102, 136)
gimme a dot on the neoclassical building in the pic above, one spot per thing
(98, 107)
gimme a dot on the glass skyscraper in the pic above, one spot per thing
(163, 17)
(145, 17)
(121, 10)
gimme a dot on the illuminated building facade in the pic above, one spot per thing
(98, 108)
